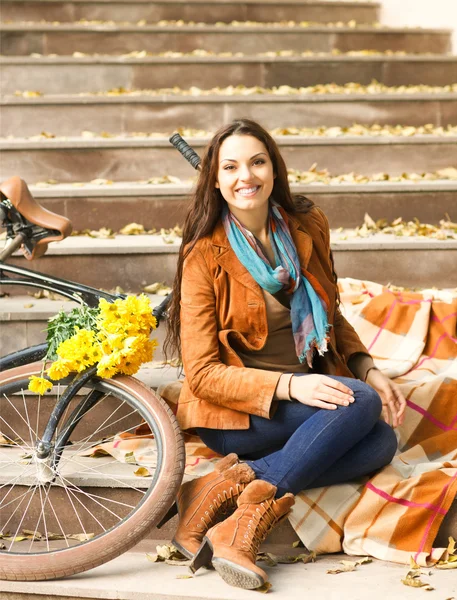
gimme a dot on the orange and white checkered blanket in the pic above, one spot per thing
(396, 514)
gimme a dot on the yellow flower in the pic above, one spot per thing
(39, 385)
(107, 366)
(59, 369)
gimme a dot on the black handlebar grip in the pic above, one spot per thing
(160, 310)
(183, 147)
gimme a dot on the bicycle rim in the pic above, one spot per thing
(115, 479)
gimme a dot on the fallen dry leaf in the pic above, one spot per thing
(142, 472)
(265, 588)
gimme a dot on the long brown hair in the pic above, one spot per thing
(206, 207)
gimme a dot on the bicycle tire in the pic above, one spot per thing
(102, 548)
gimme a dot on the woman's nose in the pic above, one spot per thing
(245, 173)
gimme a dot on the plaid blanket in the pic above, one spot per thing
(397, 513)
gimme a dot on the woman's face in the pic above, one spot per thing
(245, 173)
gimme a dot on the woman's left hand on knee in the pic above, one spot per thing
(393, 401)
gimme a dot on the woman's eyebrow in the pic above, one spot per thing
(234, 160)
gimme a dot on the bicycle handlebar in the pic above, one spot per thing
(189, 154)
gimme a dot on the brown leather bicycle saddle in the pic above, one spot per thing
(17, 192)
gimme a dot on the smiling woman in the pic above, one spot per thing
(277, 380)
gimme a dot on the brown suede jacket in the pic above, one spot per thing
(223, 308)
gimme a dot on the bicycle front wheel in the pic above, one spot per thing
(117, 475)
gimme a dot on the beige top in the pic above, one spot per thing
(278, 353)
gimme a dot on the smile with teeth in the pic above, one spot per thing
(248, 191)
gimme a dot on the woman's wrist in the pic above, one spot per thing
(282, 391)
(373, 368)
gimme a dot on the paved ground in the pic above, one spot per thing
(133, 577)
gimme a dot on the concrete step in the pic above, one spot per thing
(54, 75)
(79, 159)
(163, 112)
(133, 576)
(127, 259)
(46, 38)
(203, 11)
(23, 321)
(158, 206)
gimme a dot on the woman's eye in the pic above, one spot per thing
(259, 161)
(228, 168)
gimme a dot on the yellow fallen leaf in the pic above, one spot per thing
(142, 472)
(265, 588)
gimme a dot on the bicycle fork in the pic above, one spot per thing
(48, 454)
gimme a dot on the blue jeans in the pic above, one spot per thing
(303, 447)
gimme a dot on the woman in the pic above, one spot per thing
(277, 380)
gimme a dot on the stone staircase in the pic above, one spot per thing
(90, 89)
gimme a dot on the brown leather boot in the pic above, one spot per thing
(205, 501)
(232, 546)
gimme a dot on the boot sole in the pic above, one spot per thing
(183, 551)
(236, 575)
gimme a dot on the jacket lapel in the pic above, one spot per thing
(228, 260)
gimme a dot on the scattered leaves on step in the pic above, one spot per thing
(165, 553)
(102, 233)
(351, 24)
(449, 560)
(101, 182)
(272, 559)
(133, 229)
(413, 579)
(350, 88)
(37, 536)
(399, 228)
(349, 566)
(6, 441)
(41, 294)
(355, 130)
(265, 588)
(28, 94)
(158, 288)
(142, 472)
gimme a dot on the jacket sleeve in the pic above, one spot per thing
(238, 388)
(347, 340)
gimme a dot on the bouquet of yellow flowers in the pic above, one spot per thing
(115, 336)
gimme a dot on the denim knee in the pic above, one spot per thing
(369, 397)
(389, 440)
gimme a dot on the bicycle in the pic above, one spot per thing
(59, 514)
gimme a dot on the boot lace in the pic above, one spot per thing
(223, 504)
(262, 521)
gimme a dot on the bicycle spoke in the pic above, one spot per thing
(107, 476)
(23, 517)
(72, 491)
(32, 441)
(24, 444)
(88, 444)
(71, 502)
(58, 522)
(81, 491)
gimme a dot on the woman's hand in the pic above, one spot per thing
(320, 391)
(393, 401)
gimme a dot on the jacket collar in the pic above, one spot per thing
(227, 259)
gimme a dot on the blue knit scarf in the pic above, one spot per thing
(308, 310)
